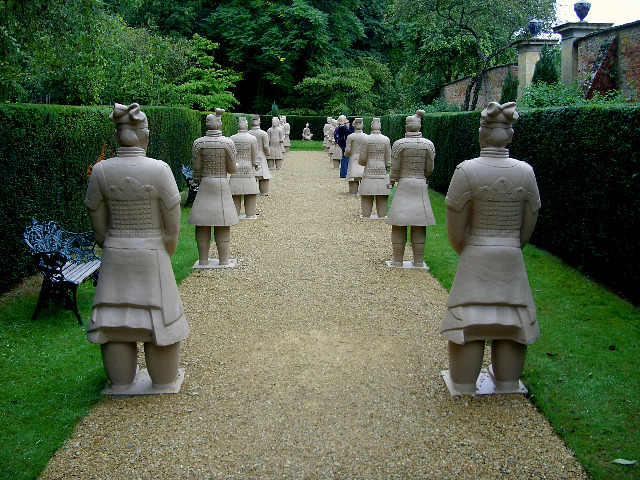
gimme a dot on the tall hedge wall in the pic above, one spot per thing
(587, 164)
(44, 155)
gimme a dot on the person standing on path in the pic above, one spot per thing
(340, 135)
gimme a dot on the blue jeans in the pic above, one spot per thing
(344, 163)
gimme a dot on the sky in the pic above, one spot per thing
(617, 12)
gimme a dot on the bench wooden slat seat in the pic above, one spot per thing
(65, 259)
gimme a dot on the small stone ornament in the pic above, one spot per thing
(306, 133)
(134, 207)
(492, 208)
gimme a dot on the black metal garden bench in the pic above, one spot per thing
(66, 260)
(187, 173)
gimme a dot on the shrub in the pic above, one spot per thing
(509, 88)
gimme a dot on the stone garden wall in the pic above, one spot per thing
(453, 93)
(616, 53)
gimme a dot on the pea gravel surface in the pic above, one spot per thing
(311, 359)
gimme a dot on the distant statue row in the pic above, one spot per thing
(492, 207)
(246, 156)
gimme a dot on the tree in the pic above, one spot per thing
(509, 88)
(204, 86)
(548, 66)
(489, 27)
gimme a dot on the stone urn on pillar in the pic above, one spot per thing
(582, 9)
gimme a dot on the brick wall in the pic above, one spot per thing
(627, 56)
(453, 93)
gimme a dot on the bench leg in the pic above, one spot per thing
(74, 303)
(43, 298)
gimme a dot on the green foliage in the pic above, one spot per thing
(204, 86)
(542, 95)
(509, 88)
(76, 53)
(454, 38)
(547, 69)
(358, 88)
(581, 372)
(44, 157)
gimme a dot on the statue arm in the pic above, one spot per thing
(347, 148)
(197, 164)
(98, 212)
(232, 166)
(458, 203)
(457, 222)
(396, 166)
(364, 150)
(171, 226)
(429, 164)
(531, 208)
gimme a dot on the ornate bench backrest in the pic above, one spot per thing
(43, 237)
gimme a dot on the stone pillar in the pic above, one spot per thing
(570, 33)
(528, 54)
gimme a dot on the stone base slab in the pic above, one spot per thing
(215, 263)
(484, 385)
(142, 385)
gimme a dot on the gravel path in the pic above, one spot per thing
(312, 359)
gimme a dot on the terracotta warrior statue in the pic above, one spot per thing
(134, 207)
(243, 182)
(375, 156)
(287, 132)
(306, 132)
(335, 152)
(328, 135)
(352, 150)
(411, 161)
(262, 174)
(214, 156)
(492, 208)
(276, 141)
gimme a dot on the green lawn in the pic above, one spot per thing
(584, 372)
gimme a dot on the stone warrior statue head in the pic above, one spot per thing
(414, 122)
(496, 125)
(255, 120)
(132, 127)
(214, 122)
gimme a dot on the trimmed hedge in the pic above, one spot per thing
(44, 156)
(586, 161)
